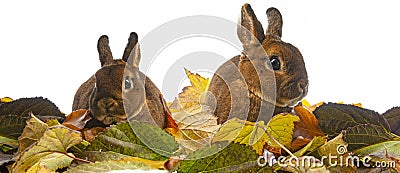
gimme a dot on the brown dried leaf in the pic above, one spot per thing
(308, 126)
(77, 119)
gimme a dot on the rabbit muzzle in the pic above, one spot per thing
(108, 111)
(292, 93)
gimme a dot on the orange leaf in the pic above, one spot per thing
(77, 119)
(171, 124)
(308, 126)
(90, 134)
(299, 143)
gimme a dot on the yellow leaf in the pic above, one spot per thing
(150, 163)
(198, 82)
(196, 122)
(49, 151)
(281, 128)
(253, 134)
(310, 107)
(305, 103)
(191, 95)
(6, 100)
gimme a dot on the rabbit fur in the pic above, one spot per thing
(283, 59)
(103, 92)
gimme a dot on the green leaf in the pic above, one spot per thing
(50, 151)
(32, 132)
(316, 142)
(333, 118)
(51, 162)
(155, 138)
(233, 158)
(334, 149)
(109, 166)
(390, 148)
(281, 128)
(11, 126)
(7, 141)
(393, 118)
(363, 135)
(121, 139)
(95, 156)
(13, 115)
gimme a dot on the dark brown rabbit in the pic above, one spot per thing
(259, 49)
(119, 83)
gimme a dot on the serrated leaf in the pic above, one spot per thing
(155, 138)
(194, 119)
(393, 118)
(51, 162)
(230, 130)
(32, 132)
(11, 126)
(190, 95)
(333, 118)
(234, 158)
(381, 150)
(364, 135)
(108, 166)
(280, 127)
(308, 126)
(50, 151)
(121, 139)
(13, 115)
(38, 106)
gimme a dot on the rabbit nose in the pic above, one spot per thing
(303, 87)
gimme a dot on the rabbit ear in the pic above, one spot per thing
(274, 22)
(250, 30)
(134, 56)
(104, 50)
(133, 39)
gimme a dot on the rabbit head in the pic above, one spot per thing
(119, 86)
(261, 49)
(285, 59)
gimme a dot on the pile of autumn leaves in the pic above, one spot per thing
(195, 142)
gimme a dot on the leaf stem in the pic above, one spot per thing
(72, 157)
(276, 141)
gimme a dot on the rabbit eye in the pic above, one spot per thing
(128, 83)
(275, 63)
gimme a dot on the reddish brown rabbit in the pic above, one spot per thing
(119, 83)
(259, 49)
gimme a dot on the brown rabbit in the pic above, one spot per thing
(119, 83)
(259, 49)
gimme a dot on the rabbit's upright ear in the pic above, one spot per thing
(132, 51)
(104, 50)
(274, 22)
(250, 30)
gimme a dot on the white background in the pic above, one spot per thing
(351, 48)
